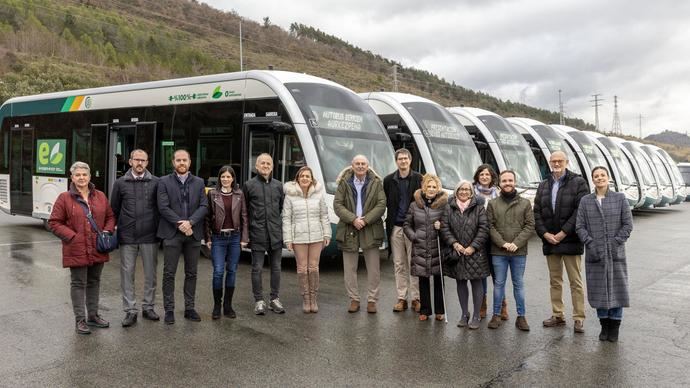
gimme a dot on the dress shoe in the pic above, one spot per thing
(82, 328)
(169, 317)
(554, 321)
(400, 306)
(130, 320)
(495, 322)
(371, 307)
(416, 305)
(192, 315)
(354, 306)
(579, 326)
(97, 321)
(521, 323)
(150, 315)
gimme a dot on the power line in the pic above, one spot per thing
(596, 106)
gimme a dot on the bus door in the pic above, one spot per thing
(123, 138)
(21, 167)
(277, 139)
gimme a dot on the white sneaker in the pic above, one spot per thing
(276, 306)
(260, 308)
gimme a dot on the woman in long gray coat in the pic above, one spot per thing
(604, 223)
(421, 228)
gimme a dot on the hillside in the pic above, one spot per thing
(52, 45)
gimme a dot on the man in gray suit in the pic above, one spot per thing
(182, 205)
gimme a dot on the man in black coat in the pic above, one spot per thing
(265, 196)
(133, 200)
(399, 187)
(555, 213)
(182, 205)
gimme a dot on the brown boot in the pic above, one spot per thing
(521, 323)
(495, 322)
(313, 290)
(354, 306)
(504, 310)
(400, 306)
(482, 310)
(304, 290)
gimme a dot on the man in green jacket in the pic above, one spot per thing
(511, 224)
(360, 203)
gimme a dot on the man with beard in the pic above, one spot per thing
(134, 203)
(511, 225)
(182, 205)
(555, 213)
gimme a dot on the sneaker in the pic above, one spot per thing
(260, 308)
(400, 306)
(521, 323)
(463, 321)
(192, 315)
(130, 320)
(554, 321)
(97, 321)
(82, 328)
(474, 324)
(150, 315)
(495, 322)
(579, 326)
(276, 306)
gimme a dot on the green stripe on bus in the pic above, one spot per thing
(67, 104)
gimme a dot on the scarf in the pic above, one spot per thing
(462, 205)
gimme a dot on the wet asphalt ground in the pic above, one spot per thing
(334, 348)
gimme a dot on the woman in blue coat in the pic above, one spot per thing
(604, 223)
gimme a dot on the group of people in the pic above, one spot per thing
(480, 230)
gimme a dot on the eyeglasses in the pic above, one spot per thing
(464, 189)
(140, 160)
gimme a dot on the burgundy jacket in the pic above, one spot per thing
(69, 223)
(216, 214)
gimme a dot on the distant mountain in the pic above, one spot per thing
(670, 137)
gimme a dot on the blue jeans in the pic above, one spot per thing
(225, 254)
(517, 271)
(615, 313)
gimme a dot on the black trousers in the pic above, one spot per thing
(425, 296)
(172, 248)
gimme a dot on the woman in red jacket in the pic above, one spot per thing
(69, 222)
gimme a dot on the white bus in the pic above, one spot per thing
(220, 119)
(646, 177)
(668, 188)
(438, 142)
(678, 182)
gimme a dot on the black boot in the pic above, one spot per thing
(604, 335)
(227, 303)
(217, 296)
(614, 326)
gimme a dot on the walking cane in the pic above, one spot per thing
(443, 284)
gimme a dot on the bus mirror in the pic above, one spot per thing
(280, 126)
(481, 145)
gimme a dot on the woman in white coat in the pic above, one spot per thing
(306, 231)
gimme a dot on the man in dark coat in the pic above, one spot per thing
(133, 200)
(182, 205)
(265, 196)
(400, 187)
(555, 214)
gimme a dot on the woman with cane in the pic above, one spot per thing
(421, 227)
(465, 229)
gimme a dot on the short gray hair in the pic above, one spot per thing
(78, 165)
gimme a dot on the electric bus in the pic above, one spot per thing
(665, 180)
(643, 169)
(438, 142)
(545, 141)
(627, 180)
(684, 169)
(678, 182)
(220, 119)
(595, 156)
(585, 164)
(501, 145)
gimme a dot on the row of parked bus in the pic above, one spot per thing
(299, 119)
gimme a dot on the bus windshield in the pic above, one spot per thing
(593, 154)
(664, 177)
(677, 178)
(554, 142)
(516, 151)
(624, 167)
(342, 126)
(647, 174)
(452, 149)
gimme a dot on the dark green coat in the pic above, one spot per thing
(350, 239)
(510, 222)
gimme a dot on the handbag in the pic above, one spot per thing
(105, 241)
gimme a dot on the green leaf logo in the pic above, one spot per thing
(217, 93)
(55, 154)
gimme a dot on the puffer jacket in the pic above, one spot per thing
(68, 222)
(264, 206)
(216, 214)
(468, 228)
(371, 236)
(134, 202)
(510, 222)
(305, 219)
(419, 229)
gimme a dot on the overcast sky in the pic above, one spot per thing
(524, 50)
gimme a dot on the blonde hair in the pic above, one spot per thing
(428, 178)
